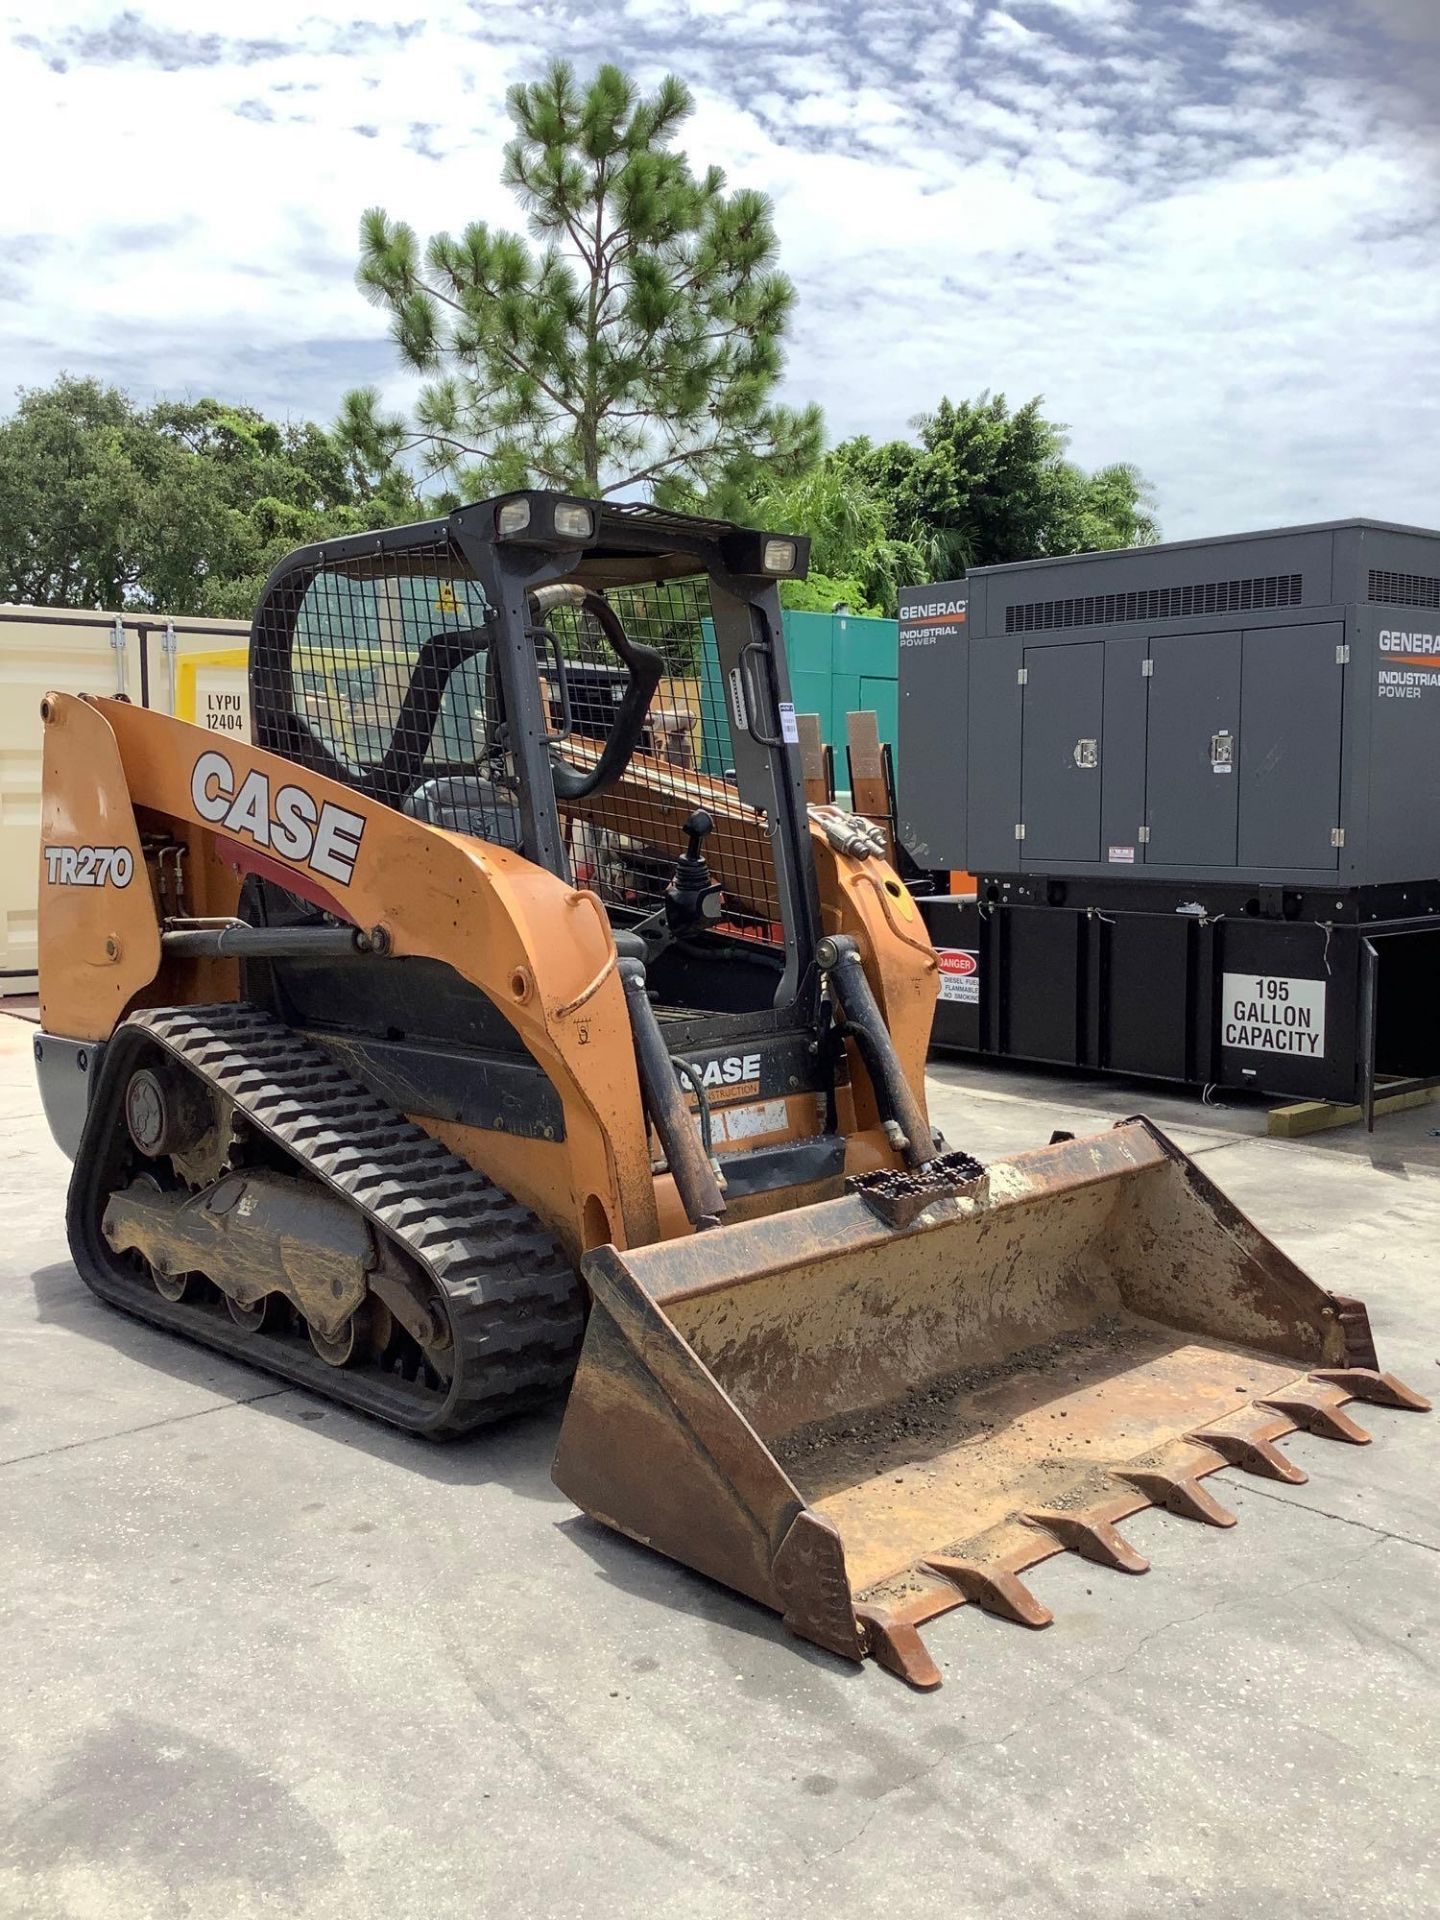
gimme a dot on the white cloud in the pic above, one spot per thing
(1203, 228)
(1089, 13)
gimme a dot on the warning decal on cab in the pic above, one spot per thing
(959, 975)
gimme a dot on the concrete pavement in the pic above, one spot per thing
(264, 1657)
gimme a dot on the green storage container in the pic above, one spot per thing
(839, 663)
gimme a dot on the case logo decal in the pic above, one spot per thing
(734, 1069)
(733, 1076)
(89, 866)
(292, 822)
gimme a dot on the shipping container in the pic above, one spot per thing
(193, 667)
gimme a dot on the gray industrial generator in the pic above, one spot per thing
(1197, 787)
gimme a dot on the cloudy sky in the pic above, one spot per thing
(1205, 230)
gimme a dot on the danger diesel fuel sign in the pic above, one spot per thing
(1267, 1013)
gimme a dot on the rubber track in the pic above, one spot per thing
(516, 1305)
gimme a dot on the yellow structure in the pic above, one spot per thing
(169, 665)
(212, 690)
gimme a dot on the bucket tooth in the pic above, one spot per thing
(1315, 1416)
(1185, 1498)
(1254, 1454)
(1095, 1540)
(1380, 1389)
(993, 1590)
(896, 1645)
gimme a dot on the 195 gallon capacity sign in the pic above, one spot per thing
(1267, 1013)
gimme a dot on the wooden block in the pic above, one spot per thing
(867, 767)
(869, 791)
(1319, 1116)
(812, 759)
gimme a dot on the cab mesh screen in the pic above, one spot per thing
(623, 841)
(389, 672)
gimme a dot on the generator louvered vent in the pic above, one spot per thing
(1157, 603)
(1404, 589)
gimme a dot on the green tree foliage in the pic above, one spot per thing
(824, 593)
(986, 485)
(855, 558)
(183, 507)
(637, 345)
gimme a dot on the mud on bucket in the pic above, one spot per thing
(865, 1412)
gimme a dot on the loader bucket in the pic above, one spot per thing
(865, 1412)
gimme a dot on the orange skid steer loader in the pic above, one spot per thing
(500, 1005)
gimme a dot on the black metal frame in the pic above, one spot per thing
(1371, 1089)
(631, 544)
(1126, 980)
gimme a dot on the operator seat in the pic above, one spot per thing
(464, 803)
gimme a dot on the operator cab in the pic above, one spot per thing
(595, 686)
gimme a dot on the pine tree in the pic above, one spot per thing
(636, 345)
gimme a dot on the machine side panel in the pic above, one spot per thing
(1194, 723)
(541, 950)
(1061, 707)
(1397, 655)
(99, 931)
(933, 757)
(993, 802)
(1291, 701)
(1122, 752)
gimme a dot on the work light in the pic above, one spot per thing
(573, 522)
